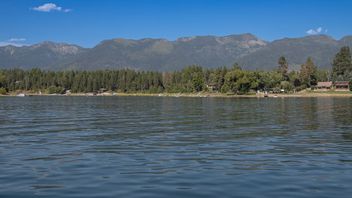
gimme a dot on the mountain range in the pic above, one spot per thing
(248, 50)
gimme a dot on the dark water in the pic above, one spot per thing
(175, 147)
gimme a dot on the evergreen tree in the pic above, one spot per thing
(342, 62)
(283, 68)
(308, 73)
(2, 79)
(193, 78)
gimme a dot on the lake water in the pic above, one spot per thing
(175, 147)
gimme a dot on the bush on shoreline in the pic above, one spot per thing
(55, 90)
(3, 91)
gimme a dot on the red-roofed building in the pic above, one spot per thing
(342, 86)
(324, 85)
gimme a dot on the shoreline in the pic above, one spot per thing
(195, 95)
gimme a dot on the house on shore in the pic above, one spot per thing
(324, 86)
(336, 86)
(102, 90)
(342, 86)
(212, 87)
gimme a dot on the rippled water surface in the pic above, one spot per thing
(175, 147)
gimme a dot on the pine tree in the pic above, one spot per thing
(342, 62)
(283, 68)
(308, 73)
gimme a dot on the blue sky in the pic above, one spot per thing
(86, 23)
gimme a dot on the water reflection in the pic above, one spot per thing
(342, 115)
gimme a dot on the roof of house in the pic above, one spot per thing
(324, 84)
(341, 83)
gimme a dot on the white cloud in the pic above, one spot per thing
(17, 39)
(48, 7)
(315, 31)
(18, 42)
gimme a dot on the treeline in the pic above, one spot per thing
(81, 81)
(190, 79)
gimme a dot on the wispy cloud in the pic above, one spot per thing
(48, 7)
(18, 42)
(316, 31)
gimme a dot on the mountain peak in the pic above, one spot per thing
(346, 41)
(60, 48)
(185, 39)
(321, 37)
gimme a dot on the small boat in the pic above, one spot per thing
(21, 95)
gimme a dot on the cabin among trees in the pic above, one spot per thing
(336, 86)
(212, 87)
(324, 86)
(342, 86)
(341, 73)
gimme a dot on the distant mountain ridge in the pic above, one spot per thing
(164, 55)
(46, 55)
